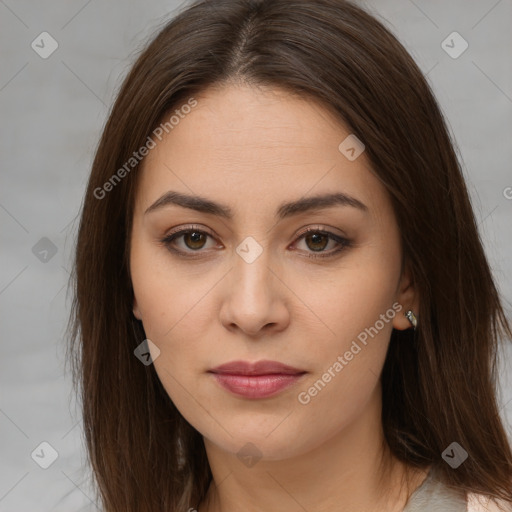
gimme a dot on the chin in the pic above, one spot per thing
(259, 444)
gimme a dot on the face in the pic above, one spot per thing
(316, 289)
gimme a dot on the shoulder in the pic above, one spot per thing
(481, 503)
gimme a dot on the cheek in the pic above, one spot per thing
(348, 367)
(171, 305)
(357, 320)
(326, 408)
(168, 297)
(352, 300)
(176, 307)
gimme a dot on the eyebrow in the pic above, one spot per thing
(203, 205)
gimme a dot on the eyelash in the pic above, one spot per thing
(171, 237)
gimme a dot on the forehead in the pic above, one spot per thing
(255, 147)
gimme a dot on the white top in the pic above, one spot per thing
(434, 496)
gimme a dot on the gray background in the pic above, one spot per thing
(52, 112)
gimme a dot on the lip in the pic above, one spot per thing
(264, 367)
(261, 379)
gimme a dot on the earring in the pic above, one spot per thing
(412, 318)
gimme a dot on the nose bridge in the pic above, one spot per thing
(255, 300)
(251, 300)
(252, 268)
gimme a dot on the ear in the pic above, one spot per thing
(136, 310)
(408, 298)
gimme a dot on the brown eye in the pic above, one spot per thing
(194, 239)
(316, 241)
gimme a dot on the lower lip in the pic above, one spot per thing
(256, 386)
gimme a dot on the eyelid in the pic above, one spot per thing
(189, 227)
(320, 228)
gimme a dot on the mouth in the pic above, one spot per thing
(262, 379)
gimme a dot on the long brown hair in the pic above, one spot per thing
(438, 382)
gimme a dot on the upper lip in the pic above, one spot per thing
(256, 368)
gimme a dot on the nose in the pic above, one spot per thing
(255, 298)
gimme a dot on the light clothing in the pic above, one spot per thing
(434, 496)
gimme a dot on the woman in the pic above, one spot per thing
(281, 297)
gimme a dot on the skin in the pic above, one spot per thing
(252, 149)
